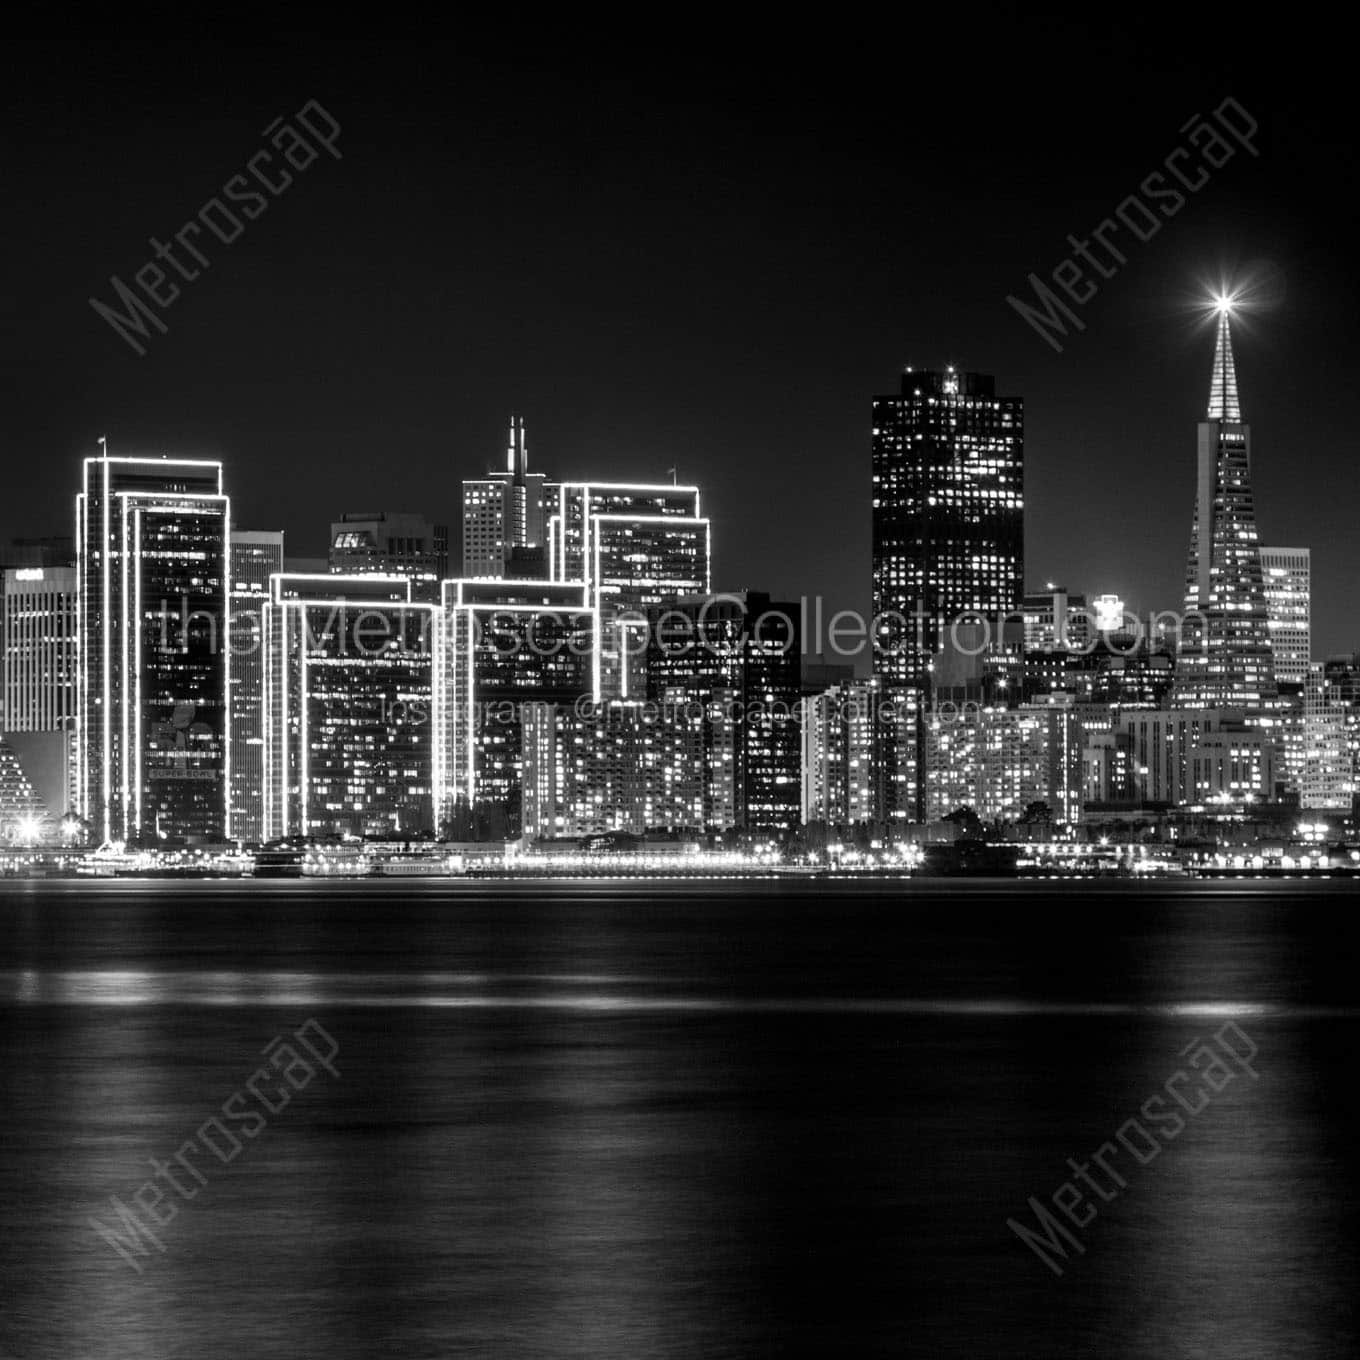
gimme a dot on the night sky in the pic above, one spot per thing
(692, 249)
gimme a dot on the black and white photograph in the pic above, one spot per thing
(681, 685)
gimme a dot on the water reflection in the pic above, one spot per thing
(676, 1126)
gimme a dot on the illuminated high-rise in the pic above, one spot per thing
(152, 543)
(948, 537)
(736, 658)
(504, 513)
(39, 660)
(348, 707)
(636, 546)
(503, 647)
(1286, 574)
(1224, 657)
(1326, 777)
(841, 770)
(256, 555)
(38, 617)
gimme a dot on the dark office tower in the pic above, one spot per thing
(256, 555)
(1224, 658)
(152, 540)
(948, 538)
(737, 657)
(392, 543)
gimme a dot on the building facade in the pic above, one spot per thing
(1224, 656)
(503, 646)
(39, 659)
(38, 630)
(842, 734)
(736, 657)
(1233, 768)
(635, 546)
(505, 511)
(152, 538)
(1056, 620)
(256, 555)
(624, 765)
(1326, 772)
(1002, 762)
(948, 537)
(349, 703)
(1160, 745)
(392, 543)
(1287, 578)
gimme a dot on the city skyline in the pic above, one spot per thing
(166, 698)
(681, 698)
(313, 538)
(631, 341)
(986, 698)
(1031, 581)
(1223, 378)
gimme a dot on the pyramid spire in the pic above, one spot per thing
(1223, 402)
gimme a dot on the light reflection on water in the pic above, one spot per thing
(277, 989)
(679, 1123)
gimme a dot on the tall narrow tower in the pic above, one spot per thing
(948, 540)
(1224, 659)
(153, 544)
(505, 516)
(517, 465)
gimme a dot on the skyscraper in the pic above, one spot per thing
(948, 537)
(152, 538)
(635, 545)
(1327, 781)
(1341, 688)
(841, 734)
(505, 513)
(1224, 654)
(737, 657)
(349, 707)
(503, 647)
(256, 555)
(39, 620)
(1286, 574)
(38, 630)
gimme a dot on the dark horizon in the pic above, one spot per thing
(711, 259)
